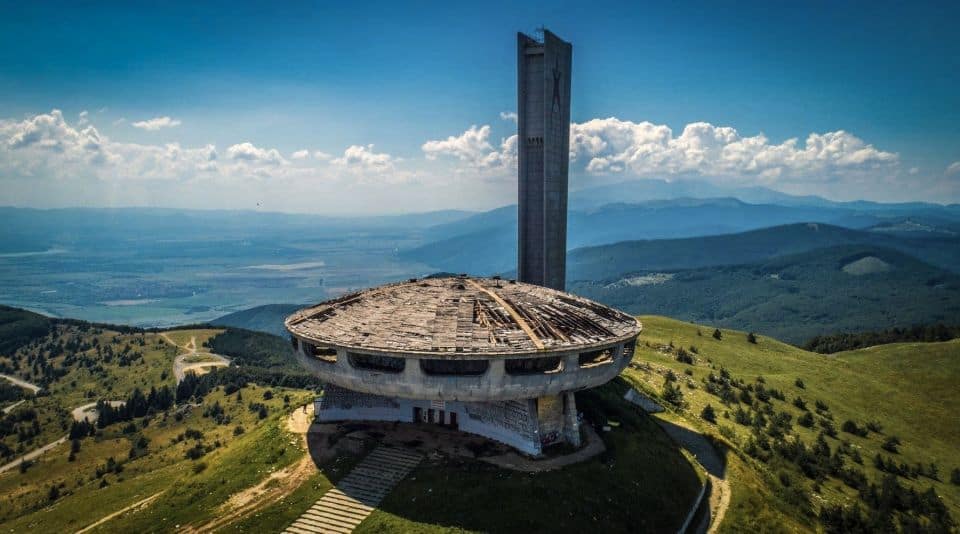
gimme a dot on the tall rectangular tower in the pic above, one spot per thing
(543, 109)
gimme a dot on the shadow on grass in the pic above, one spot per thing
(642, 483)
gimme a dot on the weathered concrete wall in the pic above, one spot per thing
(493, 385)
(513, 423)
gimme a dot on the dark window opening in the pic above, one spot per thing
(324, 354)
(596, 357)
(628, 349)
(454, 367)
(386, 364)
(533, 366)
(295, 342)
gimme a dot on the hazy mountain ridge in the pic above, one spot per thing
(267, 318)
(486, 243)
(795, 297)
(606, 261)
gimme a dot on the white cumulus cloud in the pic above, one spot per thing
(364, 157)
(611, 145)
(300, 154)
(248, 152)
(156, 123)
(474, 148)
(509, 116)
(953, 168)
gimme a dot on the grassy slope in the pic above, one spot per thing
(910, 388)
(83, 386)
(239, 462)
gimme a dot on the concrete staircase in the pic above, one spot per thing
(348, 503)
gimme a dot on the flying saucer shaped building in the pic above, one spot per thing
(492, 357)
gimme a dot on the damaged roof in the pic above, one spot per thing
(462, 315)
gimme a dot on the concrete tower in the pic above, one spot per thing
(543, 109)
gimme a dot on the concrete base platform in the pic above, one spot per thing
(527, 425)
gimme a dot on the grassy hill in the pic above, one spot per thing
(224, 443)
(795, 297)
(188, 456)
(195, 460)
(907, 391)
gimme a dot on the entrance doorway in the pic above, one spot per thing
(453, 420)
(417, 415)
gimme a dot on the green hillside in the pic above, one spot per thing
(216, 451)
(795, 298)
(907, 391)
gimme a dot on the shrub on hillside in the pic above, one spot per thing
(672, 394)
(708, 414)
(851, 427)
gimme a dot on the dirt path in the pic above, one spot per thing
(10, 408)
(274, 487)
(33, 454)
(137, 505)
(181, 367)
(22, 383)
(711, 460)
(79, 414)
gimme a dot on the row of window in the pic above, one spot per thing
(513, 366)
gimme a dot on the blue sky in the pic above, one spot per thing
(272, 79)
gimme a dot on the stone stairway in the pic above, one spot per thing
(355, 496)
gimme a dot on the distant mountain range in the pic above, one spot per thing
(845, 288)
(633, 191)
(152, 267)
(485, 243)
(613, 260)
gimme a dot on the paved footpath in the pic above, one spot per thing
(355, 496)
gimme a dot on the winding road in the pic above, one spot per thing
(713, 463)
(22, 383)
(79, 413)
(181, 367)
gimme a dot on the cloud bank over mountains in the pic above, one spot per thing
(47, 146)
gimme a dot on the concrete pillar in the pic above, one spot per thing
(571, 427)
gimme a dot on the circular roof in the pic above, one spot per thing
(459, 316)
